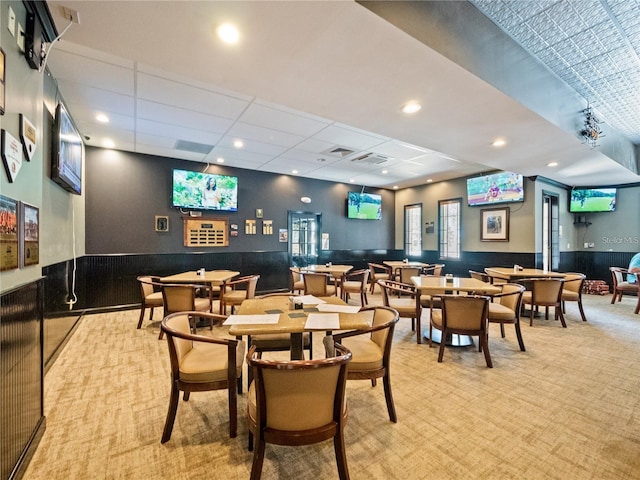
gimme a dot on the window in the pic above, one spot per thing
(449, 228)
(413, 230)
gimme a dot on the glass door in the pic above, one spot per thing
(304, 238)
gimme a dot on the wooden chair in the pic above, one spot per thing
(638, 304)
(544, 292)
(296, 283)
(371, 351)
(201, 363)
(377, 272)
(317, 284)
(356, 282)
(505, 308)
(437, 270)
(404, 274)
(181, 297)
(620, 285)
(405, 303)
(150, 296)
(234, 296)
(299, 402)
(464, 315)
(483, 277)
(572, 291)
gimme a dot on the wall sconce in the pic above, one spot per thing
(305, 199)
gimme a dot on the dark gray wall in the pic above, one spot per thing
(125, 191)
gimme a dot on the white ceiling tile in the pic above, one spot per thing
(263, 116)
(183, 117)
(266, 135)
(162, 90)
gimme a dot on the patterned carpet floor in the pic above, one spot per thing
(567, 408)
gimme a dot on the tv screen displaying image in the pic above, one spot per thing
(204, 191)
(68, 152)
(365, 206)
(588, 200)
(502, 187)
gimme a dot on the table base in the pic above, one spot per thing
(452, 340)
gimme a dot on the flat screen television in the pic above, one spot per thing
(365, 206)
(204, 191)
(502, 187)
(68, 152)
(586, 200)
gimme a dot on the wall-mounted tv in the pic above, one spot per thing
(68, 152)
(365, 206)
(502, 187)
(585, 200)
(204, 191)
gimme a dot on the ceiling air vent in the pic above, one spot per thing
(339, 152)
(371, 159)
(193, 147)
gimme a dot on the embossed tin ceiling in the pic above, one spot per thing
(593, 45)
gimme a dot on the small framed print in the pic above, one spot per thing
(162, 223)
(2, 77)
(258, 213)
(30, 234)
(9, 231)
(494, 226)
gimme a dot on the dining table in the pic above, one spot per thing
(396, 265)
(277, 314)
(213, 278)
(511, 274)
(430, 285)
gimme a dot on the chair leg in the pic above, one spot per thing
(531, 316)
(584, 318)
(418, 330)
(386, 381)
(442, 342)
(561, 316)
(142, 309)
(233, 411)
(519, 335)
(258, 458)
(484, 340)
(171, 414)
(502, 330)
(341, 455)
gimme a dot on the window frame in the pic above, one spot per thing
(407, 244)
(442, 254)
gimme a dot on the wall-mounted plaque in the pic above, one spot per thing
(8, 233)
(30, 235)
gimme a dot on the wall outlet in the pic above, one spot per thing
(20, 37)
(586, 245)
(591, 245)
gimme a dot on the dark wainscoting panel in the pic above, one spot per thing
(104, 282)
(21, 377)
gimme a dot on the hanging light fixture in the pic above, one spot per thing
(591, 130)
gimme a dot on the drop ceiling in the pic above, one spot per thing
(312, 86)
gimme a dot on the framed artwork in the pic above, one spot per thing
(2, 77)
(259, 213)
(8, 233)
(494, 224)
(30, 234)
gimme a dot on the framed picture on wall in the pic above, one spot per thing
(30, 234)
(494, 224)
(9, 231)
(2, 76)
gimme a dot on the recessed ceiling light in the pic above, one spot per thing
(384, 172)
(220, 160)
(108, 143)
(499, 142)
(411, 107)
(552, 164)
(238, 143)
(395, 187)
(294, 172)
(429, 180)
(102, 118)
(351, 180)
(228, 33)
